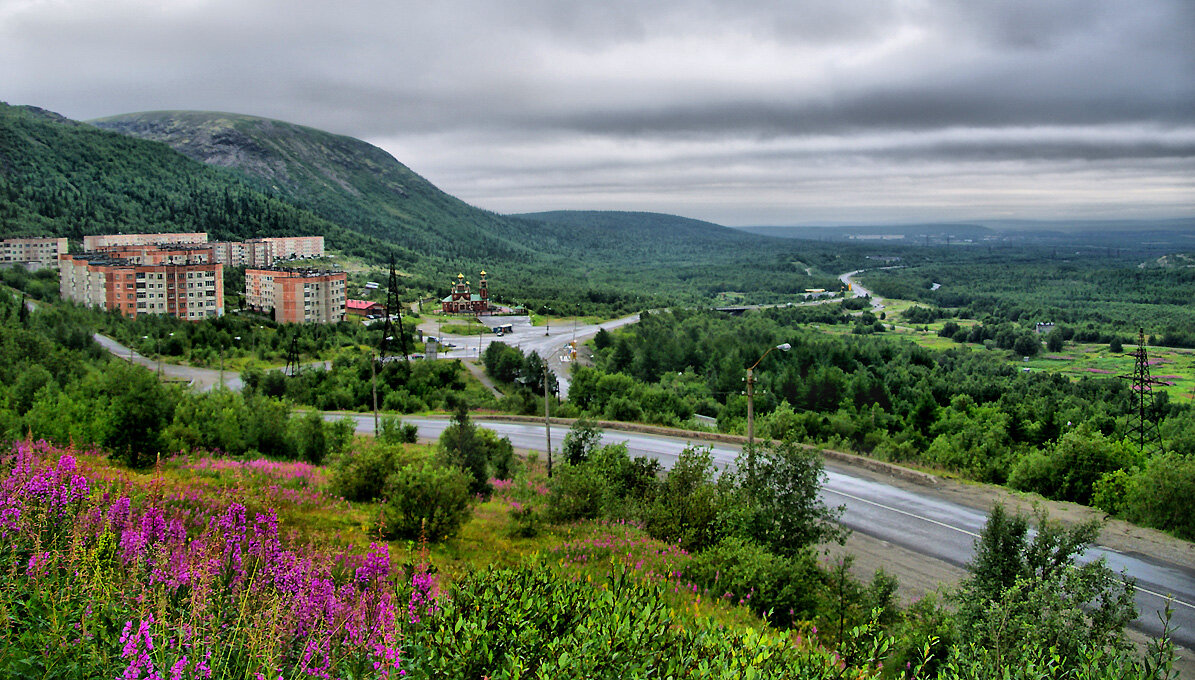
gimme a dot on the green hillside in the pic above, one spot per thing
(59, 177)
(342, 179)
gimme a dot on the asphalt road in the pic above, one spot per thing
(848, 279)
(914, 519)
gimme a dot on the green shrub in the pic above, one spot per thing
(524, 521)
(391, 430)
(578, 492)
(582, 438)
(1161, 495)
(688, 503)
(425, 500)
(739, 570)
(360, 475)
(1069, 472)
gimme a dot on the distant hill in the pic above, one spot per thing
(1128, 235)
(654, 237)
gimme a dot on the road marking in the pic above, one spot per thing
(903, 512)
(1147, 591)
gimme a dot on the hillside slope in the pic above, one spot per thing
(342, 179)
(62, 178)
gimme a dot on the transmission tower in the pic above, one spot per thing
(393, 309)
(292, 357)
(1143, 424)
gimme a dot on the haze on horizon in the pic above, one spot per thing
(742, 113)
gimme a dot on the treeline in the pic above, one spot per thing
(971, 413)
(1103, 298)
(57, 383)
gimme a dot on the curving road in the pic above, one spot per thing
(848, 279)
(917, 519)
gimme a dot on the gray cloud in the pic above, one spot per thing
(743, 111)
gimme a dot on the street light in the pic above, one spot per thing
(751, 394)
(547, 321)
(160, 354)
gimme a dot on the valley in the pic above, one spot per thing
(927, 384)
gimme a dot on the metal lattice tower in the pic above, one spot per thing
(292, 357)
(393, 308)
(1143, 424)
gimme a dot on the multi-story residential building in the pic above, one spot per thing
(187, 253)
(297, 296)
(188, 291)
(42, 251)
(97, 241)
(255, 252)
(294, 247)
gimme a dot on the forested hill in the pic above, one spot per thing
(634, 235)
(62, 178)
(340, 178)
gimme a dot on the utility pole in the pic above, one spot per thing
(373, 376)
(547, 419)
(751, 407)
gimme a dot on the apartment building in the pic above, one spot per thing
(96, 241)
(162, 254)
(297, 296)
(264, 252)
(40, 251)
(188, 291)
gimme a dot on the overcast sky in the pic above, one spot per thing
(743, 112)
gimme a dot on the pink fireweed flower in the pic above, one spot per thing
(137, 647)
(425, 589)
(376, 565)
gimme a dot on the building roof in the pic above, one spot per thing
(361, 304)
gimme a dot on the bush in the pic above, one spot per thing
(688, 503)
(578, 492)
(361, 475)
(1163, 495)
(1069, 472)
(739, 570)
(425, 500)
(582, 438)
(391, 430)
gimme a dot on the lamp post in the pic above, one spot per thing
(160, 354)
(547, 419)
(373, 378)
(547, 321)
(751, 397)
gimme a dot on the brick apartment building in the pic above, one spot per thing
(96, 241)
(255, 252)
(187, 253)
(42, 252)
(189, 291)
(297, 296)
(264, 252)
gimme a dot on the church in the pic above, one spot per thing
(463, 301)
